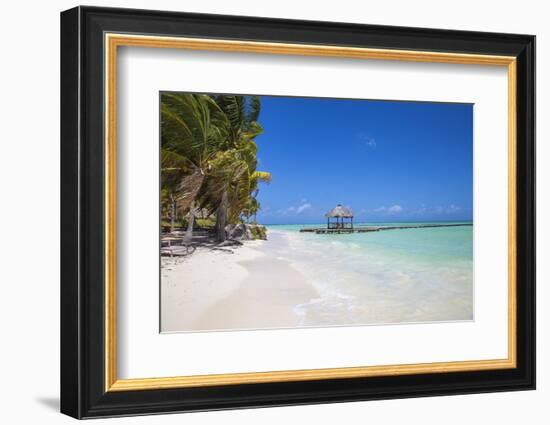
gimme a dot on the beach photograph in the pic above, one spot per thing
(280, 212)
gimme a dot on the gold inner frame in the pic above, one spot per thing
(113, 41)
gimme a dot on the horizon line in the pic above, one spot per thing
(376, 221)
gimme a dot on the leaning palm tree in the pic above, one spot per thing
(209, 155)
(193, 131)
(253, 205)
(180, 181)
(227, 189)
(236, 186)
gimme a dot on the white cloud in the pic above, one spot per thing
(295, 210)
(370, 142)
(423, 210)
(394, 209)
(452, 209)
(439, 210)
(303, 207)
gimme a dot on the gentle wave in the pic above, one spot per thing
(410, 275)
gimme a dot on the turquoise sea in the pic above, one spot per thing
(402, 275)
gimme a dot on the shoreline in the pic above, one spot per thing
(298, 280)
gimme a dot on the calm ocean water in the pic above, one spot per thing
(403, 275)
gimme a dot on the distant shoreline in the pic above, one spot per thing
(358, 228)
(376, 223)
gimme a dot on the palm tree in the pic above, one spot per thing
(180, 180)
(238, 177)
(193, 130)
(253, 205)
(208, 156)
(226, 189)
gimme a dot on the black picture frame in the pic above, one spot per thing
(83, 392)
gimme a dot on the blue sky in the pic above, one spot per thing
(388, 161)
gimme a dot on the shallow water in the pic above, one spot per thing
(402, 275)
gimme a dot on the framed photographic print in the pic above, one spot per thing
(261, 212)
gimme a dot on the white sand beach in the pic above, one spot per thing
(237, 288)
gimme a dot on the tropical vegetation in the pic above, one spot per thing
(209, 159)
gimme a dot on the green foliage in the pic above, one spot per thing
(206, 223)
(258, 232)
(180, 223)
(209, 156)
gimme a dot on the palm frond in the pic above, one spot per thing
(253, 110)
(262, 176)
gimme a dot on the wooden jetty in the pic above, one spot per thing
(366, 229)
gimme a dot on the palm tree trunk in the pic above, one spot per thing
(194, 181)
(221, 217)
(191, 222)
(172, 213)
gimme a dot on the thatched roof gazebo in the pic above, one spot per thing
(342, 218)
